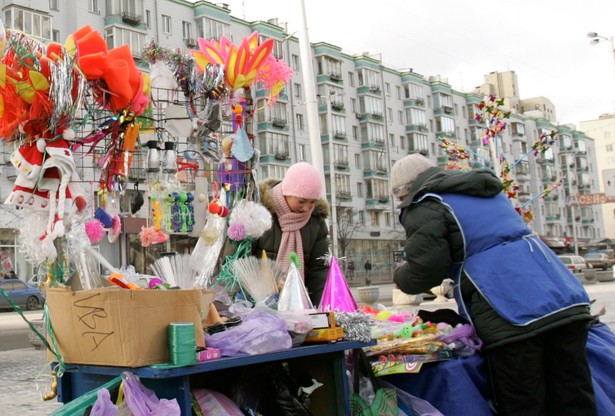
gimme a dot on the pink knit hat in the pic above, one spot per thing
(303, 181)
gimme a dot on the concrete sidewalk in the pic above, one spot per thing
(18, 394)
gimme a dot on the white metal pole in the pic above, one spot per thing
(311, 103)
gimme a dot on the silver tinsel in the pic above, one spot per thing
(357, 326)
(63, 80)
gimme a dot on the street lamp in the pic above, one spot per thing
(596, 39)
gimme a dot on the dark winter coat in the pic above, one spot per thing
(315, 241)
(434, 243)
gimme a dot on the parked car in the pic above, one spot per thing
(24, 295)
(599, 260)
(576, 264)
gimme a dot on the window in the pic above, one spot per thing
(387, 89)
(445, 125)
(186, 30)
(299, 120)
(370, 105)
(414, 91)
(148, 19)
(357, 160)
(116, 36)
(166, 24)
(390, 113)
(329, 66)
(297, 90)
(377, 189)
(295, 62)
(213, 29)
(400, 116)
(372, 133)
(93, 7)
(360, 189)
(416, 116)
(301, 151)
(355, 133)
(387, 219)
(368, 78)
(391, 140)
(31, 23)
(353, 105)
(402, 142)
(275, 144)
(351, 79)
(362, 217)
(418, 142)
(55, 35)
(278, 112)
(375, 218)
(53, 5)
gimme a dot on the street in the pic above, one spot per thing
(20, 363)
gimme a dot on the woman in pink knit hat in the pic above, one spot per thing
(299, 214)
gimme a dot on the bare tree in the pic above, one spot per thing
(347, 223)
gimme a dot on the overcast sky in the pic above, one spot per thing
(544, 41)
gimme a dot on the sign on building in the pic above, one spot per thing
(589, 199)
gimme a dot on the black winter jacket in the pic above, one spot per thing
(434, 242)
(315, 241)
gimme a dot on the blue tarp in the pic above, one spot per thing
(460, 387)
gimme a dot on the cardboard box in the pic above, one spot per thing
(120, 327)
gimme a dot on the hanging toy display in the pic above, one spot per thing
(183, 212)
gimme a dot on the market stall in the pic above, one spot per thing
(162, 165)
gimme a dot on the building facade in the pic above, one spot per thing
(602, 130)
(370, 116)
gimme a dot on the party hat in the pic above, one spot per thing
(294, 295)
(336, 295)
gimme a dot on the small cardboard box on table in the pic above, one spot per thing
(120, 327)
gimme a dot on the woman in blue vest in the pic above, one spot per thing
(530, 311)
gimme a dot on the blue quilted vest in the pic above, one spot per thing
(520, 277)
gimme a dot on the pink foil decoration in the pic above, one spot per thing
(336, 295)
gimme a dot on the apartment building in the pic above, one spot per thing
(370, 116)
(602, 130)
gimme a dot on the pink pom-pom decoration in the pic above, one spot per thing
(95, 230)
(147, 236)
(236, 232)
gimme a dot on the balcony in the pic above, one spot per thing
(335, 77)
(281, 155)
(131, 18)
(341, 164)
(279, 122)
(374, 89)
(338, 134)
(337, 105)
(344, 195)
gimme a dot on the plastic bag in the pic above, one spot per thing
(143, 402)
(216, 403)
(103, 406)
(285, 389)
(412, 405)
(464, 340)
(259, 333)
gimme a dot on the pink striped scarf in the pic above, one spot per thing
(291, 224)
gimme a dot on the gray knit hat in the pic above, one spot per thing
(406, 170)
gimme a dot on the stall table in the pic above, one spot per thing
(325, 362)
